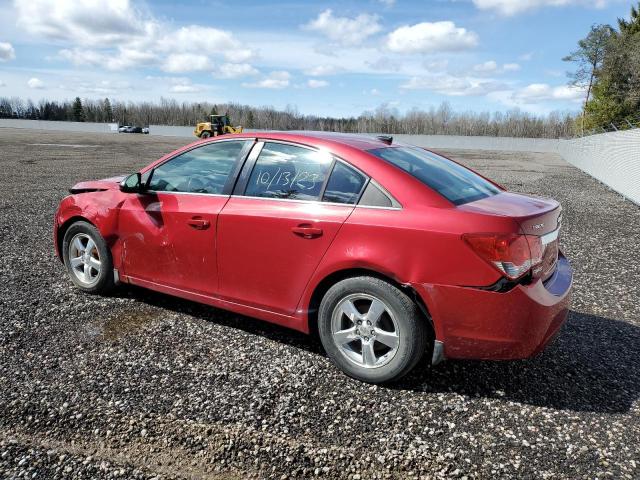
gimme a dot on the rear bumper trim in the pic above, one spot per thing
(438, 353)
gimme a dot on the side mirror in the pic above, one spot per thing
(132, 184)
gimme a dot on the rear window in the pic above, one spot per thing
(454, 182)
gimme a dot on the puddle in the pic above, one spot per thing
(125, 324)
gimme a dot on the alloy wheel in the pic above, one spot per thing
(84, 259)
(365, 330)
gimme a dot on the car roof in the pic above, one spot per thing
(359, 141)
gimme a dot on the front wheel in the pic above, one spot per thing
(372, 330)
(205, 134)
(88, 258)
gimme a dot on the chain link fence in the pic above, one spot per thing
(613, 158)
(627, 124)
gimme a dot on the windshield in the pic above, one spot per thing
(454, 182)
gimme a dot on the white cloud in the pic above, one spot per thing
(492, 67)
(323, 70)
(539, 92)
(113, 34)
(6, 52)
(385, 64)
(313, 83)
(388, 3)
(486, 67)
(437, 66)
(185, 88)
(179, 84)
(124, 58)
(455, 86)
(186, 62)
(35, 83)
(84, 22)
(427, 37)
(81, 56)
(275, 80)
(2, 84)
(103, 87)
(343, 30)
(204, 40)
(514, 7)
(130, 58)
(235, 70)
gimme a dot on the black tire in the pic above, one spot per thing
(205, 134)
(412, 329)
(104, 279)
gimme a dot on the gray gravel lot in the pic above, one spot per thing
(142, 385)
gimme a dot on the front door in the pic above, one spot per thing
(169, 232)
(272, 237)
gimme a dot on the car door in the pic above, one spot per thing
(275, 229)
(169, 232)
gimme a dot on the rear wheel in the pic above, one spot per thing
(87, 258)
(371, 329)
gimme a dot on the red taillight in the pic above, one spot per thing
(511, 254)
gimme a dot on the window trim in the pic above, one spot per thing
(395, 204)
(247, 170)
(231, 179)
(242, 181)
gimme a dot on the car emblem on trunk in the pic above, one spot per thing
(537, 226)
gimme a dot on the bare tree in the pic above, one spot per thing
(589, 58)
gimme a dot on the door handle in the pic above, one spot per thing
(199, 223)
(305, 230)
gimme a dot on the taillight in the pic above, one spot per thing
(511, 254)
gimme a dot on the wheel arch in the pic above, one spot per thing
(331, 279)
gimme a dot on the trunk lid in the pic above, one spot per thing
(536, 216)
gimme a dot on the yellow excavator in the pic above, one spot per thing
(217, 125)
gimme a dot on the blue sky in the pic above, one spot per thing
(325, 58)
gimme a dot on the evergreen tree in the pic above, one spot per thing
(632, 26)
(108, 111)
(250, 120)
(78, 111)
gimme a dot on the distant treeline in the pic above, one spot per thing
(435, 121)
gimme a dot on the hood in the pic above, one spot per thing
(111, 183)
(536, 216)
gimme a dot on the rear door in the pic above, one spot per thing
(276, 227)
(169, 232)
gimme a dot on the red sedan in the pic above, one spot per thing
(386, 251)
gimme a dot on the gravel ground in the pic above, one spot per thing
(141, 385)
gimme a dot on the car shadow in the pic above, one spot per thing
(592, 366)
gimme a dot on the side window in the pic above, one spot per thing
(344, 186)
(374, 196)
(204, 169)
(287, 171)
